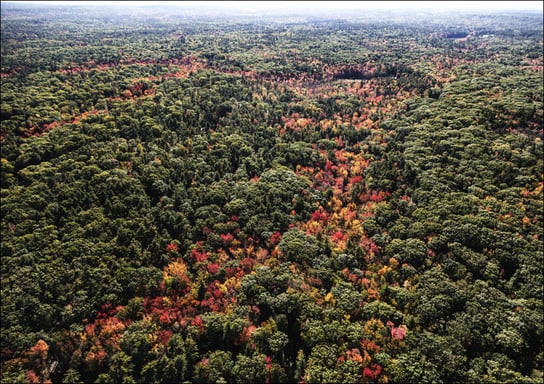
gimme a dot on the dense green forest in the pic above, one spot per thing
(189, 197)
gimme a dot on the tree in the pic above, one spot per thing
(250, 369)
(299, 247)
(321, 367)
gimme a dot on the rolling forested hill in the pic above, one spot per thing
(236, 198)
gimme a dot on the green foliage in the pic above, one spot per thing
(226, 198)
(299, 247)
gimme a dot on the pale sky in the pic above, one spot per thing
(338, 5)
(518, 5)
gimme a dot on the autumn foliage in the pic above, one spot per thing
(188, 198)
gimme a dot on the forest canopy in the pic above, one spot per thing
(194, 197)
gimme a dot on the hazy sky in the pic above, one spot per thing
(284, 5)
(534, 5)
